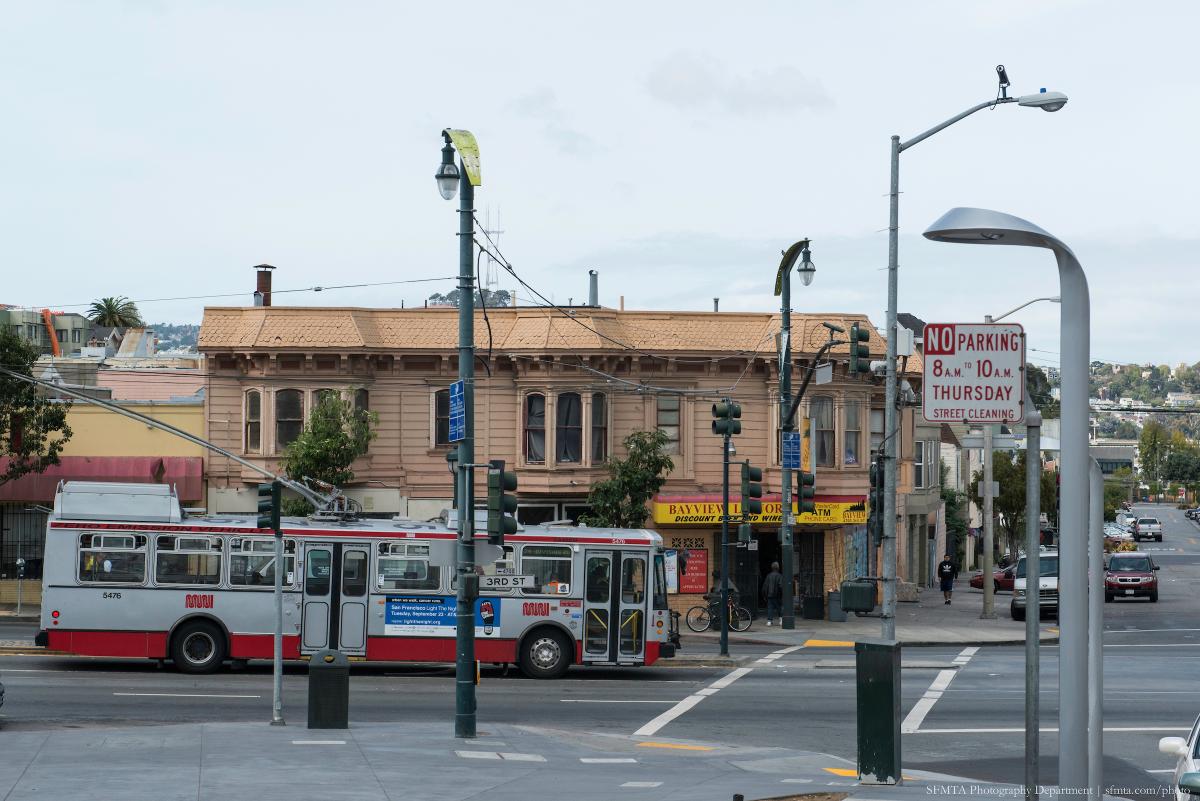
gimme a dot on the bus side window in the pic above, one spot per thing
(252, 563)
(112, 559)
(550, 565)
(660, 582)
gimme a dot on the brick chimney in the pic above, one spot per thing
(262, 292)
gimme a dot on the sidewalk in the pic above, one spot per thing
(928, 622)
(394, 761)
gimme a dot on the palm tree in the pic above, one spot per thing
(118, 312)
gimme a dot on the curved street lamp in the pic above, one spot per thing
(986, 227)
(1047, 101)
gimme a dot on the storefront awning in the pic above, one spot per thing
(186, 473)
(705, 509)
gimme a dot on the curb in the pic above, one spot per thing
(32, 650)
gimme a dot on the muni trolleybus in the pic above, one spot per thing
(128, 574)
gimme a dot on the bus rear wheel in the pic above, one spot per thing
(545, 654)
(198, 647)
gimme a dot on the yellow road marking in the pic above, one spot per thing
(853, 773)
(828, 644)
(677, 746)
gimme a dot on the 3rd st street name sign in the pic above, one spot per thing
(974, 373)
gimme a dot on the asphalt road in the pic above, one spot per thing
(803, 699)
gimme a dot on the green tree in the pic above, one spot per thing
(957, 526)
(619, 501)
(118, 312)
(1038, 386)
(336, 433)
(1009, 507)
(490, 298)
(33, 428)
(1153, 448)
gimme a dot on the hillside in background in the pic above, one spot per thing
(171, 336)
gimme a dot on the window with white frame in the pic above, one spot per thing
(187, 560)
(824, 435)
(852, 435)
(535, 428)
(289, 417)
(568, 429)
(925, 456)
(252, 562)
(253, 424)
(668, 420)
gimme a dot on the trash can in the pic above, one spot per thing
(837, 613)
(877, 680)
(328, 690)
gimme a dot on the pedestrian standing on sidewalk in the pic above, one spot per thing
(947, 571)
(773, 593)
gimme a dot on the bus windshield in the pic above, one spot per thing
(1048, 566)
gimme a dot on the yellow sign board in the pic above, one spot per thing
(709, 513)
(468, 151)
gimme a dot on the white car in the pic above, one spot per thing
(1188, 753)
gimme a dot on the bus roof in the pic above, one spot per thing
(154, 507)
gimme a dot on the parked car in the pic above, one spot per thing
(1047, 586)
(1193, 514)
(1147, 528)
(1188, 753)
(1002, 579)
(1130, 575)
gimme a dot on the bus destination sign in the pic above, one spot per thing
(974, 373)
(501, 582)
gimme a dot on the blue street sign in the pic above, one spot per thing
(458, 412)
(791, 450)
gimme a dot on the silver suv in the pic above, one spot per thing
(1047, 586)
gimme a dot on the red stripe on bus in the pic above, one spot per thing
(436, 649)
(262, 646)
(144, 644)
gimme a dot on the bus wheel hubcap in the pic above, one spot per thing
(546, 652)
(198, 648)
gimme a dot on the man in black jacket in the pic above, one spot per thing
(947, 571)
(772, 589)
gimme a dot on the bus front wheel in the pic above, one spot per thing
(545, 654)
(198, 647)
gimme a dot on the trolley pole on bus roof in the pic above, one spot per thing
(463, 178)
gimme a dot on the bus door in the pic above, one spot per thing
(614, 606)
(335, 598)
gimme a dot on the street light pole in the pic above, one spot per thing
(1047, 101)
(463, 179)
(783, 287)
(1033, 610)
(982, 226)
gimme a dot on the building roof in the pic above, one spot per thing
(1113, 453)
(292, 328)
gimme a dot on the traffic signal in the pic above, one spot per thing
(500, 506)
(876, 520)
(268, 505)
(751, 490)
(725, 418)
(744, 532)
(860, 352)
(806, 492)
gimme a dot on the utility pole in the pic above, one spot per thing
(1033, 564)
(786, 551)
(989, 582)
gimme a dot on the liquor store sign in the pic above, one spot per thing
(974, 373)
(709, 513)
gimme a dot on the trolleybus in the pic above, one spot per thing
(128, 574)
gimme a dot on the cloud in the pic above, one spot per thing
(542, 105)
(694, 81)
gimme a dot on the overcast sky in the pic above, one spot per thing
(159, 149)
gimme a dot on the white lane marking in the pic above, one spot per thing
(666, 717)
(606, 761)
(763, 661)
(1162, 770)
(1154, 645)
(796, 781)
(924, 705)
(707, 691)
(606, 701)
(642, 784)
(183, 695)
(1142, 631)
(725, 681)
(510, 757)
(789, 650)
(1049, 728)
(318, 742)
(477, 754)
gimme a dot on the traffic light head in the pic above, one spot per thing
(751, 489)
(744, 532)
(500, 505)
(268, 505)
(725, 418)
(860, 351)
(806, 492)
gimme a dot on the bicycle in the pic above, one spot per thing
(702, 618)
